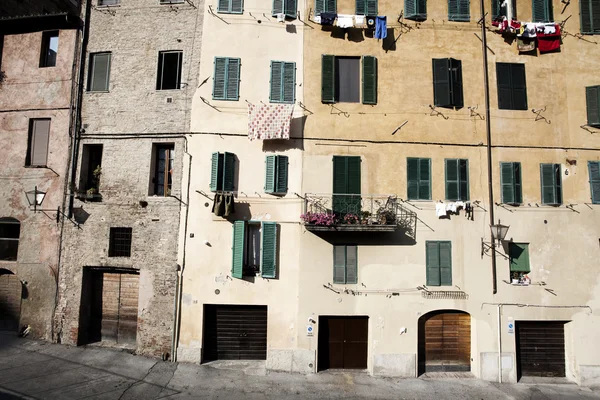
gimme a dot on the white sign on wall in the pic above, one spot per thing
(511, 325)
(309, 330)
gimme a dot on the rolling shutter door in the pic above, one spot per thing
(541, 348)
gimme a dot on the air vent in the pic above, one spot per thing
(169, 99)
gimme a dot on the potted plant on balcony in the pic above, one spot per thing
(93, 193)
(365, 217)
(386, 216)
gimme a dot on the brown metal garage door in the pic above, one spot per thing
(10, 302)
(235, 332)
(445, 341)
(343, 342)
(541, 348)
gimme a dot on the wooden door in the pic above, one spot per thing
(541, 348)
(445, 342)
(10, 302)
(343, 342)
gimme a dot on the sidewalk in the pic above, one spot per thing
(38, 370)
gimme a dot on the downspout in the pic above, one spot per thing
(499, 343)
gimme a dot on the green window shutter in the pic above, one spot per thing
(445, 263)
(290, 8)
(223, 6)
(519, 87)
(456, 82)
(458, 10)
(275, 95)
(496, 9)
(268, 267)
(239, 239)
(464, 9)
(289, 83)
(369, 79)
(594, 171)
(339, 264)
(592, 99)
(410, 9)
(319, 6)
(228, 172)
(503, 79)
(463, 175)
(433, 263)
(346, 180)
(507, 182)
(282, 174)
(340, 175)
(441, 82)
(361, 7)
(277, 7)
(219, 78)
(421, 10)
(412, 179)
(452, 183)
(270, 174)
(590, 16)
(558, 183)
(548, 180)
(353, 185)
(371, 7)
(331, 6)
(237, 6)
(425, 179)
(233, 79)
(327, 78)
(519, 257)
(351, 264)
(518, 183)
(541, 10)
(216, 172)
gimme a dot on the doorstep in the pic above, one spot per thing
(543, 380)
(249, 367)
(447, 375)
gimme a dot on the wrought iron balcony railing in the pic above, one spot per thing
(356, 212)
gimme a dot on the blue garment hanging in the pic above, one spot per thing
(381, 28)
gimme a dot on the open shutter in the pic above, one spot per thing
(237, 6)
(456, 82)
(519, 257)
(239, 239)
(558, 183)
(433, 263)
(507, 182)
(445, 263)
(282, 174)
(412, 167)
(369, 80)
(289, 83)
(351, 265)
(339, 264)
(270, 174)
(421, 10)
(290, 8)
(327, 78)
(40, 136)
(410, 9)
(319, 7)
(503, 79)
(424, 179)
(268, 267)
(452, 179)
(519, 86)
(592, 99)
(518, 186)
(463, 175)
(228, 172)
(215, 172)
(594, 171)
(441, 82)
(233, 78)
(277, 7)
(275, 95)
(361, 7)
(219, 78)
(547, 180)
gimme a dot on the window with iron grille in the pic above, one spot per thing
(120, 242)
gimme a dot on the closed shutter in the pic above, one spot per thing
(550, 182)
(441, 82)
(463, 176)
(445, 263)
(412, 179)
(507, 182)
(346, 181)
(592, 98)
(100, 71)
(237, 6)
(319, 7)
(283, 82)
(270, 174)
(458, 10)
(369, 80)
(503, 72)
(594, 171)
(237, 250)
(351, 264)
(519, 87)
(433, 263)
(424, 179)
(339, 264)
(371, 7)
(291, 8)
(269, 250)
(282, 174)
(327, 78)
(361, 7)
(354, 183)
(590, 16)
(289, 83)
(223, 6)
(519, 257)
(228, 172)
(233, 78)
(277, 8)
(219, 78)
(40, 135)
(456, 82)
(331, 6)
(542, 11)
(216, 171)
(452, 182)
(276, 86)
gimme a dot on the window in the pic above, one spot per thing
(37, 148)
(346, 185)
(510, 181)
(415, 10)
(447, 82)
(458, 10)
(590, 24)
(457, 179)
(499, 9)
(230, 6)
(120, 242)
(227, 79)
(594, 170)
(551, 184)
(439, 263)
(254, 249)
(108, 2)
(345, 264)
(276, 177)
(287, 7)
(99, 72)
(10, 230)
(222, 172)
(519, 259)
(91, 169)
(162, 169)
(283, 82)
(169, 70)
(341, 78)
(512, 88)
(592, 99)
(542, 11)
(325, 6)
(418, 178)
(366, 7)
(49, 49)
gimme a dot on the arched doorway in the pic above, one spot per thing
(444, 341)
(10, 301)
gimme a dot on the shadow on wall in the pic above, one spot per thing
(400, 237)
(296, 140)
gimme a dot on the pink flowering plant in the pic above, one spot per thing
(323, 219)
(351, 219)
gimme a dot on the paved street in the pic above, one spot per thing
(37, 370)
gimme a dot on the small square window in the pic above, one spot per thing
(49, 49)
(169, 70)
(120, 242)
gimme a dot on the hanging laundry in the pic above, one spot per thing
(269, 121)
(528, 30)
(525, 44)
(317, 19)
(371, 22)
(380, 27)
(549, 42)
(328, 18)
(345, 21)
(440, 210)
(359, 21)
(451, 207)
(280, 17)
(229, 205)
(218, 207)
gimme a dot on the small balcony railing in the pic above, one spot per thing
(356, 212)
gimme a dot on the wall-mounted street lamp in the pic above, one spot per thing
(35, 198)
(499, 232)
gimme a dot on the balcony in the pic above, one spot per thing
(356, 213)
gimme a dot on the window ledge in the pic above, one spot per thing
(168, 90)
(36, 166)
(108, 6)
(97, 91)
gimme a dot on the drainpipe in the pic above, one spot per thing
(500, 342)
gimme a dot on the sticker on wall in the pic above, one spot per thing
(309, 330)
(511, 325)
